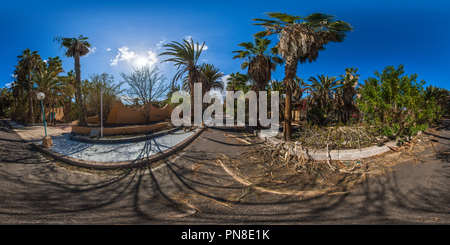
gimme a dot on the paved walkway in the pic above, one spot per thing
(108, 153)
(36, 133)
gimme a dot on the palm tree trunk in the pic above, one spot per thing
(69, 110)
(290, 71)
(193, 78)
(78, 96)
(30, 100)
(287, 129)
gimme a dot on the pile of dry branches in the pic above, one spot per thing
(269, 168)
(339, 137)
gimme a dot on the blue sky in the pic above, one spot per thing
(124, 34)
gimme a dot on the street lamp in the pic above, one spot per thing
(41, 96)
(47, 141)
(101, 111)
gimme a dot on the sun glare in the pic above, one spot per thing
(141, 61)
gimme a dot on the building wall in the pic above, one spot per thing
(121, 130)
(120, 114)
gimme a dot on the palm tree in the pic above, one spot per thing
(323, 93)
(76, 48)
(211, 78)
(172, 90)
(6, 99)
(259, 61)
(56, 61)
(69, 81)
(237, 81)
(46, 80)
(185, 57)
(18, 88)
(300, 40)
(349, 81)
(275, 85)
(441, 96)
(27, 63)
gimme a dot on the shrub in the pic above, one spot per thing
(396, 101)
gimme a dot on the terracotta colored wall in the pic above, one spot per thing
(59, 113)
(120, 130)
(120, 114)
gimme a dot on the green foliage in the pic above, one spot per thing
(101, 84)
(397, 101)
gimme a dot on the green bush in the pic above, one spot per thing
(397, 101)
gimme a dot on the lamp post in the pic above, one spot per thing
(47, 141)
(41, 96)
(101, 111)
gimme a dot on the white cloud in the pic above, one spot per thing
(124, 55)
(188, 38)
(108, 49)
(145, 59)
(91, 50)
(159, 45)
(153, 58)
(8, 85)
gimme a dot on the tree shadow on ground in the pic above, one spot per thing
(191, 188)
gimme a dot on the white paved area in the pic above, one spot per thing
(100, 152)
(116, 152)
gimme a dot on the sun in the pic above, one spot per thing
(141, 61)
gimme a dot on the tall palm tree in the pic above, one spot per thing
(211, 79)
(259, 61)
(185, 57)
(76, 48)
(300, 40)
(27, 63)
(69, 81)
